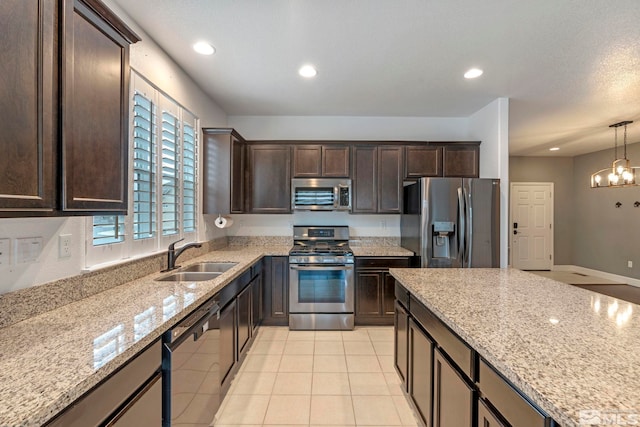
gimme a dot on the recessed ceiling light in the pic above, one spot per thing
(473, 73)
(204, 48)
(307, 71)
(554, 148)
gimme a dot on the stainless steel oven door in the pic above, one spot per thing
(321, 288)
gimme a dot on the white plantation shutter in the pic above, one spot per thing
(170, 174)
(144, 167)
(189, 173)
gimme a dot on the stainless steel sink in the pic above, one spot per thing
(210, 267)
(189, 276)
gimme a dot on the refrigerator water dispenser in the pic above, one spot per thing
(443, 231)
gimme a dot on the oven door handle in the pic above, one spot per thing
(323, 267)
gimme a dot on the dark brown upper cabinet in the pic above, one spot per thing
(390, 167)
(224, 165)
(94, 110)
(65, 116)
(422, 161)
(28, 74)
(461, 160)
(364, 185)
(377, 179)
(270, 178)
(314, 161)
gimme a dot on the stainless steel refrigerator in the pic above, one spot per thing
(452, 222)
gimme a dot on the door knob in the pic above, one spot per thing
(515, 231)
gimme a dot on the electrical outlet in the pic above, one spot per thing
(630, 264)
(5, 252)
(64, 246)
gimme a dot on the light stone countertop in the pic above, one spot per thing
(566, 348)
(48, 361)
(381, 251)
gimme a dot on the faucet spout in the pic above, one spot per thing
(173, 253)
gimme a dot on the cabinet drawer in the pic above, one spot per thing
(455, 348)
(381, 262)
(507, 400)
(94, 407)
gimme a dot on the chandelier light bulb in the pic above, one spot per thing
(627, 176)
(613, 178)
(598, 178)
(620, 169)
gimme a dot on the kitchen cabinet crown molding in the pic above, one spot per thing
(123, 29)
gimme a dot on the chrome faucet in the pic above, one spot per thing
(173, 254)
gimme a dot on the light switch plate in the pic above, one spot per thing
(5, 252)
(28, 249)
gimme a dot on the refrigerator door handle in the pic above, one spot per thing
(469, 230)
(461, 226)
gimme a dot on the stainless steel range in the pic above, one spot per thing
(321, 279)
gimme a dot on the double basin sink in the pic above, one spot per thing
(198, 272)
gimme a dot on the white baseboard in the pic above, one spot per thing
(615, 277)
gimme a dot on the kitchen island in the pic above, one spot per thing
(573, 353)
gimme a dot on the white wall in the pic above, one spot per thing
(282, 225)
(351, 128)
(491, 126)
(153, 63)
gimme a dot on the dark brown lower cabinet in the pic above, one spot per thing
(375, 289)
(227, 341)
(132, 396)
(486, 418)
(256, 304)
(244, 319)
(452, 395)
(276, 291)
(420, 371)
(401, 359)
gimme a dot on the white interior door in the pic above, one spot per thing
(531, 225)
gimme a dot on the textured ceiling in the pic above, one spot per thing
(569, 67)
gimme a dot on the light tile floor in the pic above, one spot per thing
(317, 378)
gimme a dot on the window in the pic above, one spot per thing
(108, 229)
(163, 179)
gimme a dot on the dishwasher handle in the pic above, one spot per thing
(197, 323)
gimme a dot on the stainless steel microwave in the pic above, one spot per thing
(320, 194)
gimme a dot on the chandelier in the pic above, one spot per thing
(620, 174)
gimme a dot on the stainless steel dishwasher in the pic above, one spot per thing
(191, 369)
